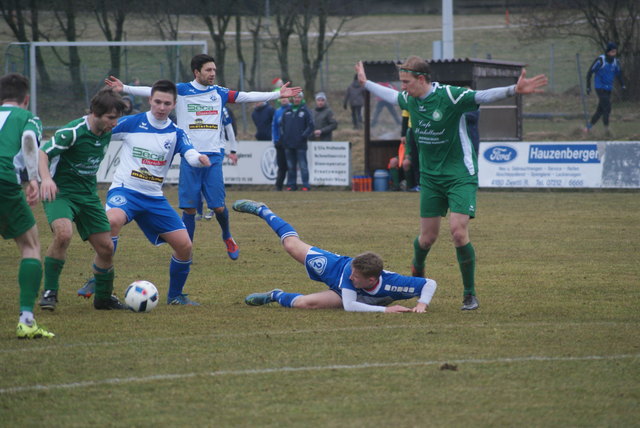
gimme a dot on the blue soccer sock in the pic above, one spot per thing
(279, 226)
(178, 273)
(189, 221)
(115, 240)
(286, 299)
(223, 220)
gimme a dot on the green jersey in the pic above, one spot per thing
(14, 121)
(439, 127)
(75, 154)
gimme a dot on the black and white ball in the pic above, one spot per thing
(141, 296)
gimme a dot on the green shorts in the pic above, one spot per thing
(16, 217)
(436, 197)
(87, 211)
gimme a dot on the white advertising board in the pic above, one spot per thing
(329, 164)
(572, 164)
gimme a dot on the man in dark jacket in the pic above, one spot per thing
(323, 119)
(605, 68)
(355, 98)
(262, 116)
(295, 129)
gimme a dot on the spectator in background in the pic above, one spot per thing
(295, 129)
(355, 98)
(281, 156)
(262, 116)
(606, 69)
(130, 109)
(382, 104)
(323, 119)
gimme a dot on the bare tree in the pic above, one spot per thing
(166, 22)
(254, 26)
(285, 13)
(13, 13)
(600, 21)
(315, 16)
(217, 17)
(111, 17)
(66, 19)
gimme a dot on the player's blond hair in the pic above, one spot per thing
(368, 264)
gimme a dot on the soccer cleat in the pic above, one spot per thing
(88, 288)
(469, 303)
(208, 215)
(417, 272)
(248, 206)
(232, 248)
(108, 304)
(24, 331)
(259, 299)
(49, 300)
(198, 217)
(182, 299)
(305, 189)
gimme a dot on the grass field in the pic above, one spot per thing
(556, 341)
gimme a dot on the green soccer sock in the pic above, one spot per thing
(104, 283)
(395, 178)
(467, 261)
(52, 270)
(419, 254)
(29, 277)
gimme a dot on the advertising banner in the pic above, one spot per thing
(329, 164)
(579, 164)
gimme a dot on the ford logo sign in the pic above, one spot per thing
(500, 154)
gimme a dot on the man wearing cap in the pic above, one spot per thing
(323, 119)
(605, 69)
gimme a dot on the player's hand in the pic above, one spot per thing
(287, 92)
(362, 77)
(233, 157)
(317, 133)
(48, 189)
(204, 160)
(33, 193)
(420, 308)
(532, 85)
(114, 83)
(396, 309)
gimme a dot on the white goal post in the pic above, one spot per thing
(34, 45)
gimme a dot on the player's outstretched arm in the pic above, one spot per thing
(420, 308)
(395, 309)
(287, 92)
(362, 77)
(114, 83)
(48, 188)
(532, 85)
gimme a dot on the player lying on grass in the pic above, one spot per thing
(150, 140)
(357, 284)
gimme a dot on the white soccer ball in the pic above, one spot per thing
(141, 296)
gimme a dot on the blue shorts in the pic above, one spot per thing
(326, 267)
(153, 214)
(209, 181)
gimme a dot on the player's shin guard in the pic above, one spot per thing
(467, 261)
(419, 254)
(286, 299)
(29, 277)
(104, 282)
(223, 221)
(115, 240)
(278, 225)
(189, 221)
(52, 270)
(178, 273)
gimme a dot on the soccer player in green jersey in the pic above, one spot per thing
(19, 135)
(68, 166)
(448, 162)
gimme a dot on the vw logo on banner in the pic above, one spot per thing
(268, 163)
